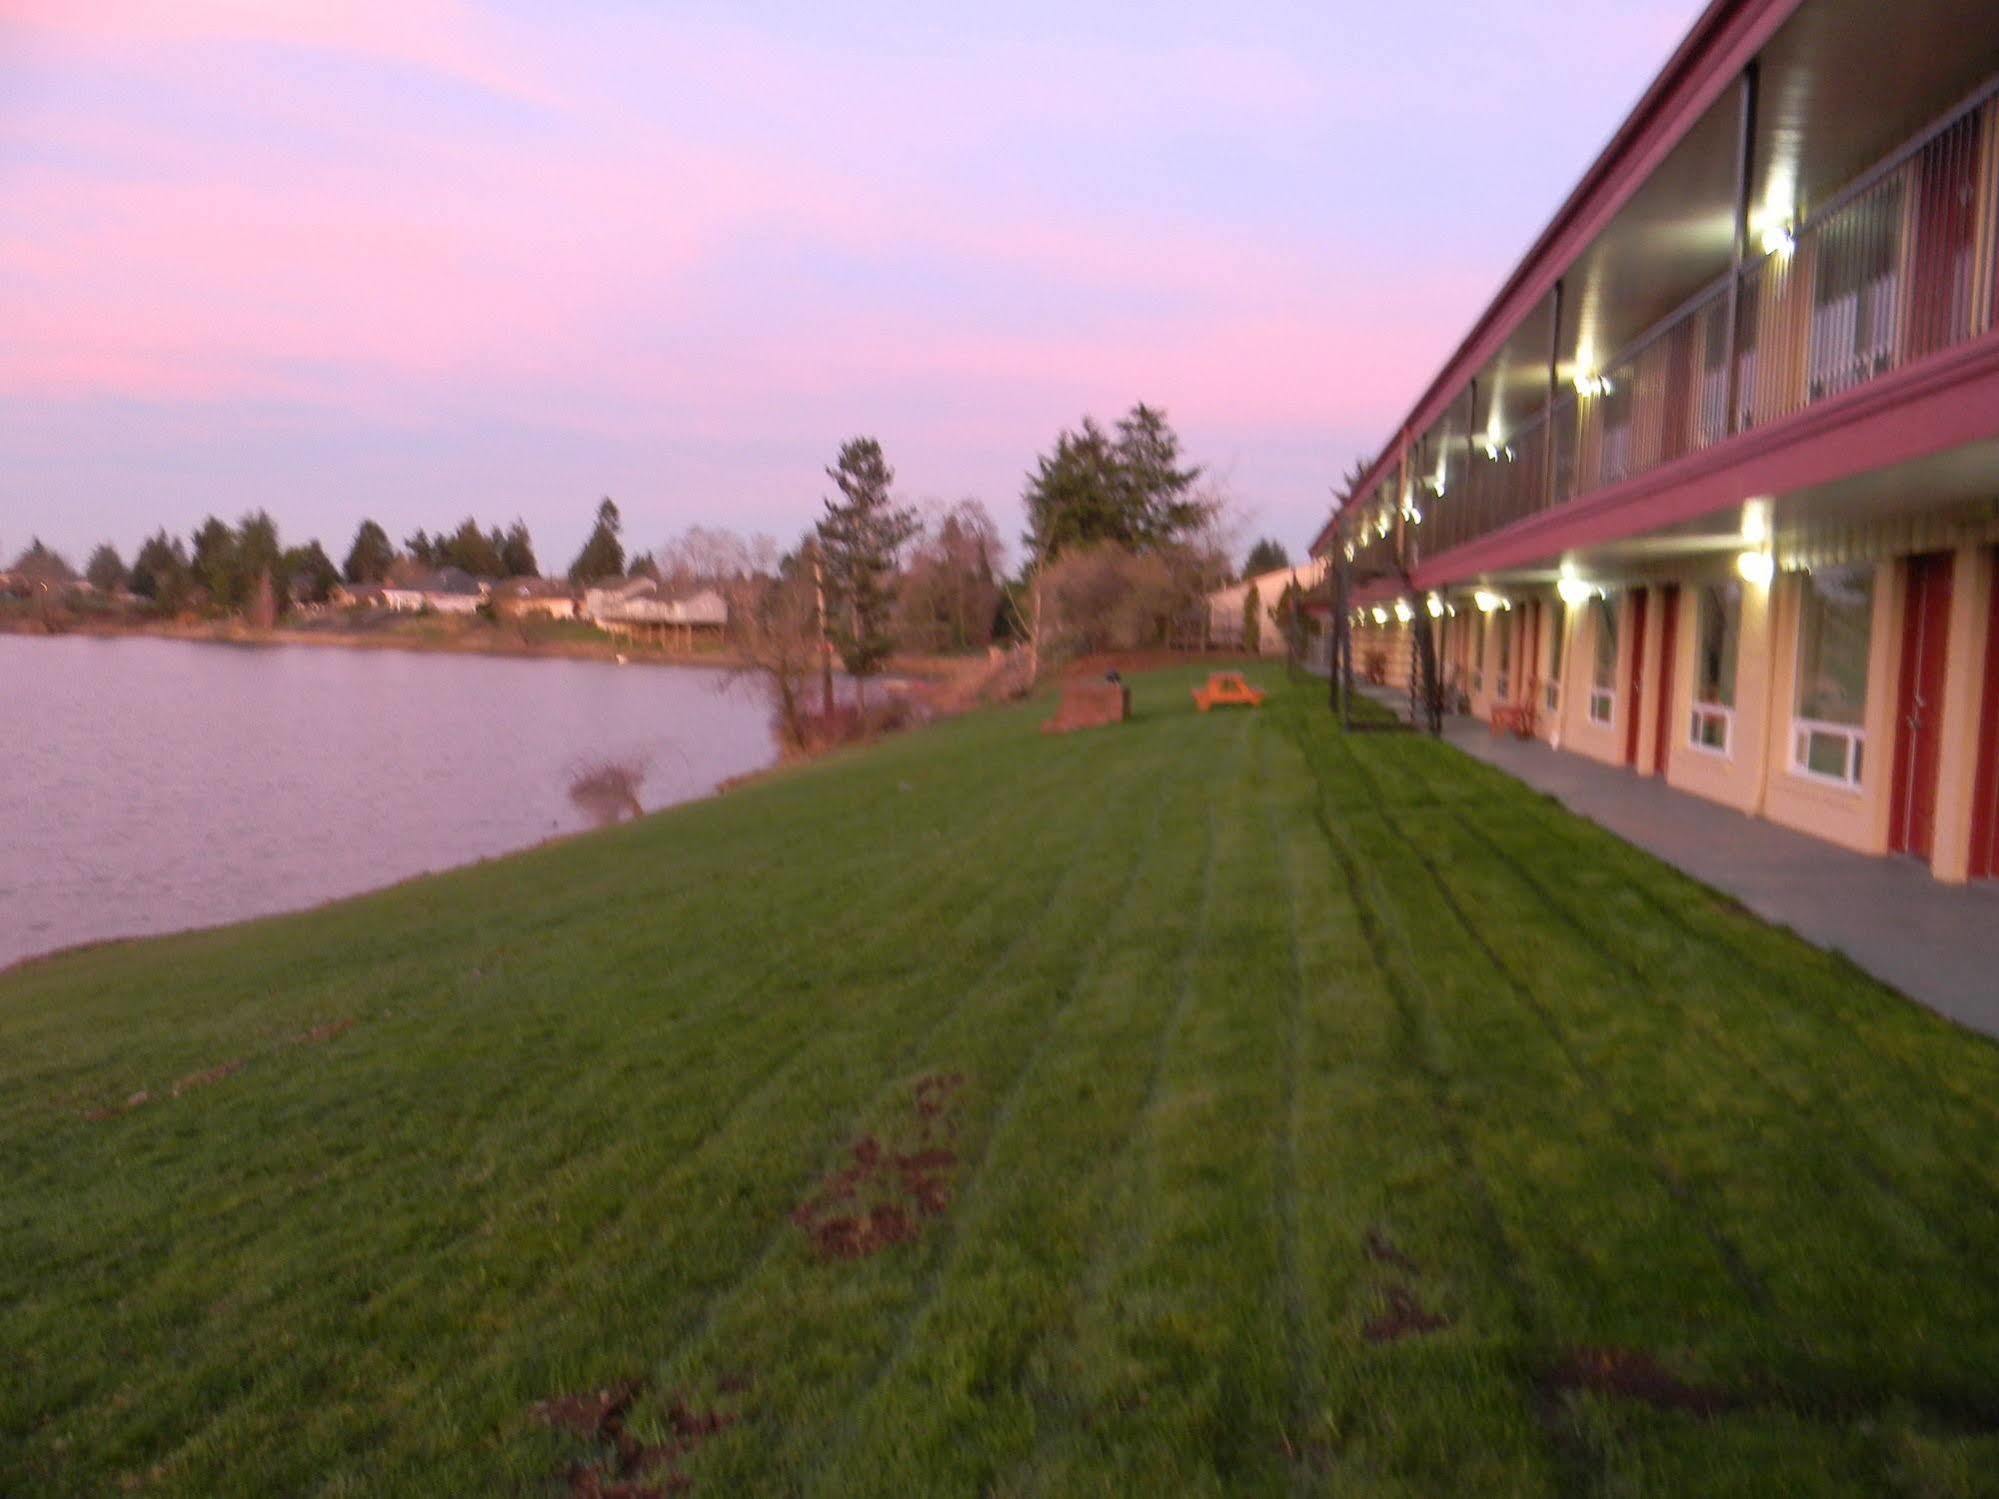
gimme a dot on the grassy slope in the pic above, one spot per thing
(1230, 994)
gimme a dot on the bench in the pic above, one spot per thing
(1226, 688)
(1517, 719)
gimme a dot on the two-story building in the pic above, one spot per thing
(1712, 485)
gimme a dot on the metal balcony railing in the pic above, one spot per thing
(1901, 264)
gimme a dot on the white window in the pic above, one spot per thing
(1717, 638)
(1603, 669)
(1505, 632)
(1835, 629)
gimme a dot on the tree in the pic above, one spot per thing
(473, 550)
(1252, 620)
(1130, 489)
(212, 562)
(371, 556)
(774, 629)
(1267, 556)
(603, 555)
(105, 570)
(949, 596)
(44, 565)
(421, 549)
(259, 557)
(860, 537)
(517, 552)
(308, 573)
(160, 572)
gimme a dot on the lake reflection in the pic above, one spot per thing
(152, 785)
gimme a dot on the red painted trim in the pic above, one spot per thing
(1669, 641)
(1635, 693)
(1985, 786)
(1931, 406)
(1721, 44)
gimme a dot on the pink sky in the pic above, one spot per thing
(415, 259)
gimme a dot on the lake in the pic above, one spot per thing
(153, 785)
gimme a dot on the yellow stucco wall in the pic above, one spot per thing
(1854, 817)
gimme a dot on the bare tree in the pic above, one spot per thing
(774, 628)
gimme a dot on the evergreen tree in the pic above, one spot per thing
(473, 550)
(1130, 489)
(44, 564)
(1267, 556)
(860, 536)
(105, 570)
(309, 574)
(517, 552)
(212, 562)
(371, 556)
(1252, 620)
(421, 549)
(603, 555)
(258, 557)
(160, 572)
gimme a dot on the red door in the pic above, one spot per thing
(1918, 736)
(1669, 619)
(1633, 708)
(1985, 790)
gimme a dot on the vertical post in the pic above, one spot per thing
(825, 650)
(1466, 508)
(1745, 168)
(1548, 412)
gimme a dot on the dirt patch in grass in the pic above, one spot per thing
(628, 1467)
(1630, 1374)
(319, 1035)
(209, 1078)
(882, 1196)
(1383, 1251)
(1406, 1317)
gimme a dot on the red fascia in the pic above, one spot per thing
(1721, 44)
(1938, 403)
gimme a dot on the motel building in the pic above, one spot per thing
(1711, 489)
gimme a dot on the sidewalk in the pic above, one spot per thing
(1938, 944)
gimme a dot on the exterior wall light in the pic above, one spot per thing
(1380, 615)
(1589, 383)
(1757, 567)
(1436, 607)
(1487, 601)
(1403, 613)
(1575, 592)
(1779, 238)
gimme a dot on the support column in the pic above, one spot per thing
(1967, 675)
(1554, 386)
(1745, 172)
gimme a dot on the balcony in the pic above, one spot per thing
(1899, 265)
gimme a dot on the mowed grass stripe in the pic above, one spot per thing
(802, 1328)
(1412, 1171)
(956, 1398)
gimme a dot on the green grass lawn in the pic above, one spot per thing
(1225, 1106)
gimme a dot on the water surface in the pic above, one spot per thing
(152, 785)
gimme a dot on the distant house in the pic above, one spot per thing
(344, 595)
(1225, 606)
(519, 597)
(637, 609)
(448, 590)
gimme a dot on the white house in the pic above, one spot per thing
(1225, 605)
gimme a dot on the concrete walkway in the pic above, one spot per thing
(1936, 943)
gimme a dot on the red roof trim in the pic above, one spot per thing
(1938, 403)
